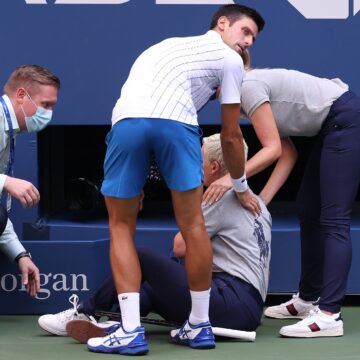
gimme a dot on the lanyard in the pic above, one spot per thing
(9, 170)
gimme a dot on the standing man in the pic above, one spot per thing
(29, 96)
(156, 115)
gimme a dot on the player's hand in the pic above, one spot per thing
(249, 201)
(216, 190)
(30, 275)
(23, 190)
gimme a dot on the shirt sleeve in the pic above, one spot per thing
(211, 217)
(254, 93)
(10, 244)
(233, 72)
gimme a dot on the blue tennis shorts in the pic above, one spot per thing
(132, 143)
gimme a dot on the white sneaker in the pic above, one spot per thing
(56, 323)
(121, 342)
(295, 308)
(317, 324)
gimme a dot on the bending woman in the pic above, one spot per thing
(283, 103)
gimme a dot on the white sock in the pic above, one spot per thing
(130, 310)
(199, 306)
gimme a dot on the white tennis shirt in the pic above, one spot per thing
(175, 78)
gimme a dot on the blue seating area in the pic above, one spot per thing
(72, 252)
(75, 260)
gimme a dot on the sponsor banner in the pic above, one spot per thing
(67, 267)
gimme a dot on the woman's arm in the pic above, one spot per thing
(281, 171)
(266, 130)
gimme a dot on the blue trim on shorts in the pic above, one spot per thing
(132, 144)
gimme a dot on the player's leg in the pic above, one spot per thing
(125, 169)
(189, 217)
(178, 154)
(196, 332)
(123, 257)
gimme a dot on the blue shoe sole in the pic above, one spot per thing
(201, 345)
(124, 350)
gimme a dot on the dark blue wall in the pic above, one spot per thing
(91, 47)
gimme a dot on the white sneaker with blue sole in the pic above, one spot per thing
(121, 342)
(196, 336)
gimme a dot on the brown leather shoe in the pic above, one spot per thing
(82, 330)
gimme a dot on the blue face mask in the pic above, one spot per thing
(39, 120)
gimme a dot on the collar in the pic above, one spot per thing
(215, 35)
(12, 115)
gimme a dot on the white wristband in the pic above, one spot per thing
(240, 185)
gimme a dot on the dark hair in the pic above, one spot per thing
(235, 12)
(28, 76)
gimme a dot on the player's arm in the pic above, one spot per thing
(234, 157)
(281, 171)
(231, 135)
(232, 140)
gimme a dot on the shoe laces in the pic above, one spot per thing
(92, 319)
(317, 312)
(183, 331)
(66, 315)
(112, 337)
(112, 328)
(296, 297)
(313, 313)
(292, 300)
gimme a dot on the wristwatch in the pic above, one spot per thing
(21, 255)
